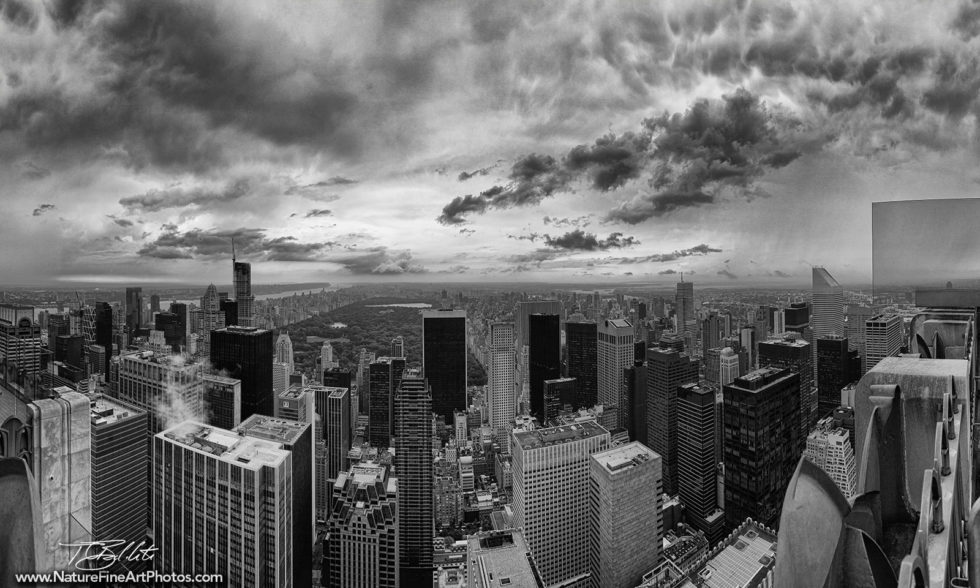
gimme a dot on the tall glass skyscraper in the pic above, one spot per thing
(243, 292)
(246, 354)
(444, 359)
(544, 358)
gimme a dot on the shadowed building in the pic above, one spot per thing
(544, 358)
(666, 371)
(246, 354)
(444, 359)
(581, 339)
(413, 459)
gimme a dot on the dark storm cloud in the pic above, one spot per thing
(198, 243)
(21, 14)
(156, 200)
(656, 205)
(967, 20)
(612, 160)
(579, 240)
(532, 237)
(697, 250)
(318, 212)
(727, 274)
(42, 209)
(380, 261)
(465, 175)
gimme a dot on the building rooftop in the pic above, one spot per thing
(741, 561)
(272, 429)
(561, 434)
(292, 393)
(243, 330)
(245, 452)
(443, 313)
(625, 457)
(499, 558)
(761, 377)
(106, 410)
(221, 379)
(619, 323)
(559, 380)
(788, 341)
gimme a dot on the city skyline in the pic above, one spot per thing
(563, 143)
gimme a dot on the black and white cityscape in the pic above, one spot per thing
(489, 294)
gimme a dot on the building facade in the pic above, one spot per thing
(444, 359)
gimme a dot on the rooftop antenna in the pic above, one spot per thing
(682, 276)
(233, 250)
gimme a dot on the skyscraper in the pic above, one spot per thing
(551, 496)
(398, 346)
(697, 467)
(557, 393)
(222, 401)
(614, 350)
(384, 376)
(134, 311)
(794, 353)
(246, 354)
(104, 327)
(544, 358)
(828, 305)
(829, 448)
(413, 458)
(882, 338)
(625, 516)
(837, 366)
(762, 443)
(242, 279)
(444, 359)
(248, 535)
(337, 429)
(497, 556)
(581, 340)
(284, 351)
(362, 547)
(500, 389)
(164, 386)
(728, 368)
(684, 309)
(666, 370)
(712, 328)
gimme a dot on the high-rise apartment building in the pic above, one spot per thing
(882, 338)
(500, 389)
(762, 443)
(120, 462)
(697, 466)
(413, 459)
(225, 503)
(362, 547)
(551, 496)
(829, 448)
(246, 354)
(625, 515)
(614, 350)
(544, 358)
(581, 340)
(444, 359)
(666, 370)
(384, 375)
(222, 401)
(794, 353)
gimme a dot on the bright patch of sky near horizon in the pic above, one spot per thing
(504, 141)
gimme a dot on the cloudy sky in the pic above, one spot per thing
(740, 142)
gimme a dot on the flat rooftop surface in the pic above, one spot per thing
(561, 434)
(106, 410)
(744, 562)
(499, 558)
(271, 428)
(625, 456)
(246, 452)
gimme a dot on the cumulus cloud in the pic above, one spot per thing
(199, 243)
(579, 240)
(41, 209)
(178, 197)
(378, 261)
(318, 212)
(697, 250)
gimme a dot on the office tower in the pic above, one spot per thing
(499, 558)
(636, 390)
(444, 359)
(466, 477)
(779, 321)
(712, 328)
(673, 341)
(169, 324)
(183, 321)
(363, 380)
(201, 527)
(20, 345)
(615, 353)
(828, 305)
(697, 466)
(57, 325)
(326, 359)
(212, 319)
(69, 349)
(53, 436)
(337, 429)
(384, 377)
(712, 365)
(666, 370)
(280, 377)
(165, 386)
(625, 517)
(762, 443)
(244, 300)
(837, 366)
(222, 401)
(296, 404)
(529, 307)
(581, 339)
(544, 358)
(794, 353)
(749, 341)
(154, 303)
(95, 356)
(284, 351)
(362, 548)
(829, 448)
(12, 313)
(882, 338)
(338, 378)
(797, 317)
(120, 464)
(245, 354)
(551, 495)
(460, 427)
(230, 309)
(728, 366)
(557, 393)
(413, 458)
(500, 388)
(134, 312)
(398, 346)
(855, 326)
(684, 310)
